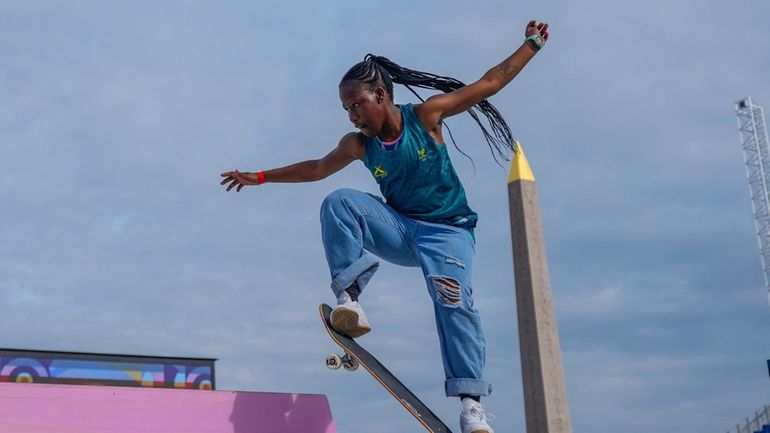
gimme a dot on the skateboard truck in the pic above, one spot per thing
(334, 362)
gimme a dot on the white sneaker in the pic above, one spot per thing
(348, 317)
(473, 418)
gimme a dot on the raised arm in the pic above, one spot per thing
(439, 107)
(349, 149)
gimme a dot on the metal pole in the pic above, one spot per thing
(756, 151)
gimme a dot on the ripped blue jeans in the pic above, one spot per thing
(357, 228)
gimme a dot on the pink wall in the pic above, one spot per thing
(35, 408)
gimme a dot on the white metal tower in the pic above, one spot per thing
(756, 152)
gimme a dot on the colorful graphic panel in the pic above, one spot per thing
(100, 369)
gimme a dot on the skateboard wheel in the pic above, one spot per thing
(333, 361)
(349, 363)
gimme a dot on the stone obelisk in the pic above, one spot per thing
(545, 396)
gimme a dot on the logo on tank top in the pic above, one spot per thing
(422, 155)
(379, 172)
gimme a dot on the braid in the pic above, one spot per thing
(374, 70)
(371, 73)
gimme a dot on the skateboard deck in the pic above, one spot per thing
(361, 356)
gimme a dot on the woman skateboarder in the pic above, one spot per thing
(425, 219)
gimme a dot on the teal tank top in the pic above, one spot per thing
(417, 178)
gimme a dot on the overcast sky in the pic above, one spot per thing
(116, 119)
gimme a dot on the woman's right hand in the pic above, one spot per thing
(239, 179)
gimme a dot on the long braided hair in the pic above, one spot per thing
(374, 70)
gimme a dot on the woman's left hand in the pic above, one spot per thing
(536, 28)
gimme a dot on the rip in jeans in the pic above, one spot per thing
(448, 291)
(454, 261)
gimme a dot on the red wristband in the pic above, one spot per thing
(261, 177)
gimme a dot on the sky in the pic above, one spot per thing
(116, 119)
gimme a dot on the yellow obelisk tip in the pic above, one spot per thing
(520, 169)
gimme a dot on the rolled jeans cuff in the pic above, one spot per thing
(455, 387)
(360, 271)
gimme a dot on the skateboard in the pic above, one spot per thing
(356, 355)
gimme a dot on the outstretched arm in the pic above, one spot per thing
(349, 149)
(439, 107)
